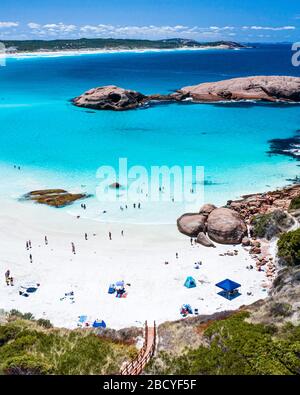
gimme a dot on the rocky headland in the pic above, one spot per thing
(253, 221)
(258, 88)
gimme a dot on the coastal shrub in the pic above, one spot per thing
(281, 309)
(13, 314)
(236, 347)
(295, 203)
(28, 347)
(44, 323)
(289, 248)
(271, 224)
(26, 365)
(7, 333)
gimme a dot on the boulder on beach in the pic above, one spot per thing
(54, 197)
(246, 241)
(204, 240)
(264, 88)
(191, 224)
(225, 226)
(109, 97)
(206, 209)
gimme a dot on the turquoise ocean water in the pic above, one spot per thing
(59, 145)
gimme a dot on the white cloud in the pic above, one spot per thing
(217, 28)
(270, 28)
(8, 24)
(153, 31)
(51, 29)
(57, 30)
(59, 27)
(33, 25)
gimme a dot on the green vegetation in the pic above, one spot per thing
(237, 347)
(295, 203)
(27, 347)
(260, 223)
(271, 224)
(289, 248)
(106, 43)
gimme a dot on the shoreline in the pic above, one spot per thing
(156, 290)
(61, 53)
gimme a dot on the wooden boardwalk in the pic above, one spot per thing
(137, 365)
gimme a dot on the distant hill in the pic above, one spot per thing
(109, 44)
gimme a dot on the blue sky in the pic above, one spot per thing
(206, 20)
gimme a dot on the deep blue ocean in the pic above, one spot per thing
(59, 145)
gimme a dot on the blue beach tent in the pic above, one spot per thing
(82, 318)
(99, 324)
(190, 282)
(229, 288)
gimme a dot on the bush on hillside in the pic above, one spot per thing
(289, 248)
(271, 225)
(295, 203)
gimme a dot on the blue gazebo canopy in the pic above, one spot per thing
(228, 285)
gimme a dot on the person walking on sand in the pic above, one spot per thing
(191, 241)
(7, 277)
(27, 245)
(109, 235)
(46, 240)
(30, 257)
(122, 233)
(85, 236)
(176, 255)
(73, 248)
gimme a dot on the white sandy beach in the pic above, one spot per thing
(41, 54)
(156, 290)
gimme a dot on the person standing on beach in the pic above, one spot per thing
(46, 240)
(7, 277)
(109, 235)
(30, 257)
(73, 248)
(27, 245)
(176, 255)
(122, 233)
(85, 236)
(191, 241)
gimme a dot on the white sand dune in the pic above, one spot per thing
(156, 290)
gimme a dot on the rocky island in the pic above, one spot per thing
(54, 197)
(261, 88)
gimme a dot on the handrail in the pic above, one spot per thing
(136, 366)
